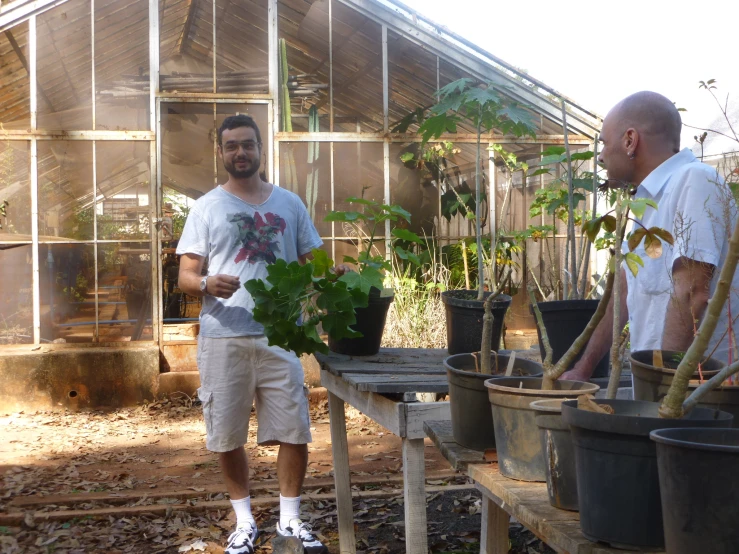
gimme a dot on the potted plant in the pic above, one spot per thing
(486, 109)
(367, 224)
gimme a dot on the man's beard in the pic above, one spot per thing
(245, 174)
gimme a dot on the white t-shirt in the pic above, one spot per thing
(698, 209)
(241, 239)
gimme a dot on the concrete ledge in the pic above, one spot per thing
(77, 378)
(186, 382)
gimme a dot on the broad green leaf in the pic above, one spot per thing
(582, 156)
(541, 171)
(639, 205)
(454, 87)
(405, 234)
(435, 126)
(636, 237)
(554, 151)
(553, 159)
(364, 280)
(357, 200)
(592, 228)
(609, 223)
(396, 210)
(348, 217)
(331, 297)
(482, 96)
(633, 262)
(321, 262)
(407, 157)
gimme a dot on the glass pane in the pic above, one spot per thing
(67, 286)
(122, 65)
(16, 302)
(65, 190)
(15, 89)
(122, 190)
(186, 46)
(412, 74)
(15, 188)
(305, 169)
(358, 172)
(188, 139)
(241, 64)
(415, 189)
(65, 67)
(304, 27)
(357, 78)
(124, 291)
(259, 113)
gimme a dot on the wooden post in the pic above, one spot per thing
(340, 451)
(494, 528)
(414, 469)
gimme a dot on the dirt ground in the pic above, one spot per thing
(140, 480)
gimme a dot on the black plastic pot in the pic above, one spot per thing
(370, 322)
(559, 453)
(617, 481)
(520, 455)
(464, 315)
(699, 486)
(564, 321)
(472, 419)
(652, 383)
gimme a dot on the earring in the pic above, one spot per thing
(632, 155)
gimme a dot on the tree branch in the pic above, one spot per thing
(487, 325)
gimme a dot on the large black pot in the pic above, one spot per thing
(617, 481)
(472, 419)
(651, 383)
(464, 315)
(699, 485)
(520, 455)
(565, 320)
(370, 322)
(559, 454)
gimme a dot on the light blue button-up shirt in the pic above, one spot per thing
(698, 209)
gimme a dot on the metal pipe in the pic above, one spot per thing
(36, 291)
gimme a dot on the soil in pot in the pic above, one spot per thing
(559, 454)
(520, 455)
(651, 382)
(472, 420)
(617, 481)
(699, 487)
(370, 322)
(464, 315)
(565, 320)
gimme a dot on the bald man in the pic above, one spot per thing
(666, 300)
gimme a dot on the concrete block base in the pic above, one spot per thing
(186, 382)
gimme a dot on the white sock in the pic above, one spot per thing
(242, 508)
(289, 510)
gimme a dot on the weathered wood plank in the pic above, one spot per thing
(494, 532)
(459, 457)
(389, 383)
(529, 504)
(340, 368)
(414, 467)
(340, 451)
(417, 413)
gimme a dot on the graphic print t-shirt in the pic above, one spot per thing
(241, 239)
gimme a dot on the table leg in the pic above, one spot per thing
(414, 491)
(494, 528)
(340, 450)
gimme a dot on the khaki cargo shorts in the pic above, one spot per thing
(234, 373)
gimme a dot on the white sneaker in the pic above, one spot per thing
(242, 540)
(311, 544)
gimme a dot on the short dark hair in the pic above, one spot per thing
(236, 121)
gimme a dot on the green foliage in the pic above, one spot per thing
(311, 292)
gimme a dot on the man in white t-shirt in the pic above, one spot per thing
(239, 228)
(665, 302)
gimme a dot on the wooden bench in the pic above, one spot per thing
(503, 498)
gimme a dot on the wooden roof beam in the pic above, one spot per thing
(24, 62)
(19, 11)
(188, 25)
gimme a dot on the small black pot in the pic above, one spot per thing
(370, 322)
(652, 383)
(565, 320)
(464, 315)
(699, 486)
(472, 419)
(559, 454)
(617, 481)
(520, 455)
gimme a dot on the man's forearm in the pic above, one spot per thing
(189, 282)
(684, 312)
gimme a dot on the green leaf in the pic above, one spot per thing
(363, 280)
(396, 210)
(639, 205)
(347, 217)
(407, 157)
(554, 151)
(405, 234)
(321, 262)
(482, 96)
(457, 86)
(592, 228)
(633, 262)
(437, 125)
(609, 223)
(364, 201)
(541, 171)
(582, 156)
(636, 237)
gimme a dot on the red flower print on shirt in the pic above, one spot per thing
(257, 236)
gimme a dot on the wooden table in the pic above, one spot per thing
(383, 388)
(503, 497)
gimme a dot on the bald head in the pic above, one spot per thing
(653, 116)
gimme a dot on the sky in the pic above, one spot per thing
(597, 52)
